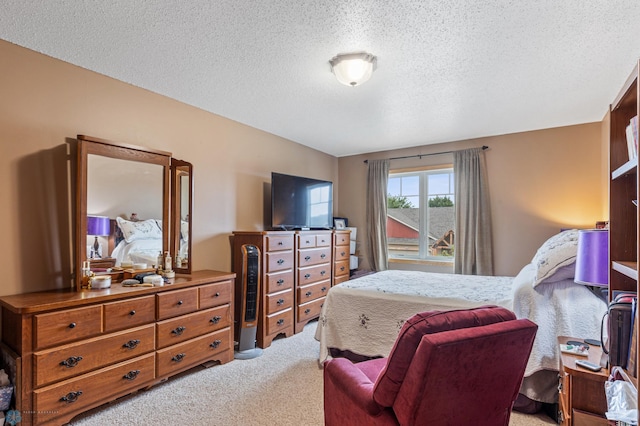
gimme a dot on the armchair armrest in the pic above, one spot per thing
(347, 379)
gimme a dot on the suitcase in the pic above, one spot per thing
(619, 326)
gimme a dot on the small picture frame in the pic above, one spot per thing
(339, 223)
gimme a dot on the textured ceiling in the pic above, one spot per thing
(447, 70)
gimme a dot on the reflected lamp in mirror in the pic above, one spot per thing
(592, 260)
(97, 226)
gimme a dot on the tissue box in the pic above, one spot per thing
(5, 397)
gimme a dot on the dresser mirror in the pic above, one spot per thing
(181, 212)
(130, 188)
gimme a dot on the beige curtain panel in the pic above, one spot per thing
(473, 247)
(376, 214)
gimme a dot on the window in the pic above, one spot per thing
(421, 215)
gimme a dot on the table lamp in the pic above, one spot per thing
(97, 226)
(592, 260)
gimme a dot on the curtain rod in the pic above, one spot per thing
(426, 155)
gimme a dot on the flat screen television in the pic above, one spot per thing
(300, 203)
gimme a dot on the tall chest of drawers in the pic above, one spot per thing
(341, 256)
(276, 296)
(72, 351)
(313, 274)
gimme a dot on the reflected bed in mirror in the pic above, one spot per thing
(134, 188)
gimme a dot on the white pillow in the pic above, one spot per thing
(555, 259)
(184, 230)
(140, 230)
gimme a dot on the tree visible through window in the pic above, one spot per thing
(421, 215)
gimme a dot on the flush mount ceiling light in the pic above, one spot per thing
(353, 69)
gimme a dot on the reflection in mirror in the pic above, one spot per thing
(128, 192)
(182, 199)
(128, 186)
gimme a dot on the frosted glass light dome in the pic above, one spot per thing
(353, 69)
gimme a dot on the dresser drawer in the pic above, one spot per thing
(342, 239)
(323, 240)
(176, 330)
(314, 256)
(279, 281)
(73, 395)
(279, 301)
(77, 358)
(341, 268)
(340, 279)
(341, 253)
(280, 321)
(314, 274)
(66, 326)
(129, 313)
(278, 243)
(216, 294)
(313, 291)
(192, 352)
(279, 261)
(310, 310)
(178, 302)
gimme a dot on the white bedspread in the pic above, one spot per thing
(563, 308)
(365, 315)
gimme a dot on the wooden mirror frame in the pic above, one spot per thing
(90, 145)
(179, 169)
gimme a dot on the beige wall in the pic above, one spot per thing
(45, 103)
(539, 182)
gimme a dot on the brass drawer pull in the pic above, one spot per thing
(280, 321)
(131, 344)
(71, 362)
(280, 302)
(72, 325)
(180, 302)
(308, 294)
(71, 397)
(179, 357)
(215, 319)
(217, 294)
(178, 330)
(133, 312)
(215, 344)
(131, 375)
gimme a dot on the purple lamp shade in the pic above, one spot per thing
(592, 261)
(97, 225)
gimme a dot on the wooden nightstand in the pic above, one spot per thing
(104, 262)
(582, 401)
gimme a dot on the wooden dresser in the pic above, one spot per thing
(341, 256)
(276, 281)
(72, 351)
(313, 274)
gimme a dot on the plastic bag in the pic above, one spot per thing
(622, 400)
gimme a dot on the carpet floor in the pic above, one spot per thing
(282, 387)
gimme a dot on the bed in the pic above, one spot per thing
(140, 241)
(361, 318)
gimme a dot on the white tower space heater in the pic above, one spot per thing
(249, 295)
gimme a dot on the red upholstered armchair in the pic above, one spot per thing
(446, 368)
